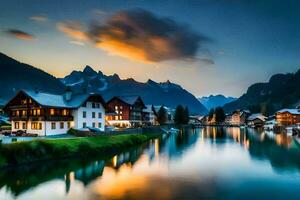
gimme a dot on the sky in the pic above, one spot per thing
(206, 46)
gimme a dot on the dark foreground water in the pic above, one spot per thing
(204, 163)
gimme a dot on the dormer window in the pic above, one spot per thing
(93, 105)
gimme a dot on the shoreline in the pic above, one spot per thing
(22, 153)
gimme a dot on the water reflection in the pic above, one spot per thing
(193, 164)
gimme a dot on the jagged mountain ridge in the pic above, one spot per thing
(214, 101)
(165, 93)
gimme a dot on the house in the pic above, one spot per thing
(287, 117)
(256, 120)
(128, 111)
(51, 114)
(237, 118)
(148, 115)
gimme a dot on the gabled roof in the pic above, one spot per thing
(58, 100)
(291, 111)
(257, 116)
(130, 100)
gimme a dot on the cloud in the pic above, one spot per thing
(20, 34)
(77, 43)
(39, 18)
(73, 29)
(140, 35)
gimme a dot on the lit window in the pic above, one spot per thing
(116, 107)
(62, 125)
(121, 107)
(121, 117)
(24, 112)
(16, 125)
(65, 112)
(17, 113)
(52, 111)
(53, 125)
(116, 118)
(38, 112)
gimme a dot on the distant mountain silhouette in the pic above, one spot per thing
(15, 76)
(214, 101)
(165, 93)
(282, 91)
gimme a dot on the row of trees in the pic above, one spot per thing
(217, 114)
(181, 115)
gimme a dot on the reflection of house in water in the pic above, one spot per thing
(129, 157)
(90, 172)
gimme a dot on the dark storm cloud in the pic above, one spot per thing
(140, 35)
(20, 34)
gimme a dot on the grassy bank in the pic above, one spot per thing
(39, 150)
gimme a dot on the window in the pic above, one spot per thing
(121, 107)
(62, 124)
(65, 112)
(99, 115)
(52, 111)
(69, 124)
(99, 125)
(93, 114)
(121, 112)
(84, 124)
(116, 118)
(93, 105)
(24, 112)
(34, 112)
(17, 113)
(84, 104)
(120, 117)
(24, 125)
(36, 126)
(53, 125)
(38, 112)
(16, 125)
(30, 101)
(84, 114)
(94, 125)
(116, 107)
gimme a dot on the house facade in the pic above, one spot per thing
(256, 120)
(288, 117)
(51, 114)
(128, 111)
(148, 115)
(237, 118)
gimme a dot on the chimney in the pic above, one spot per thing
(68, 94)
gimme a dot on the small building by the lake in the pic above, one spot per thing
(44, 114)
(288, 117)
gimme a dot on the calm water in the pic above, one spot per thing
(204, 163)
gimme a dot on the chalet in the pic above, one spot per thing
(148, 115)
(128, 111)
(51, 114)
(288, 117)
(256, 120)
(237, 118)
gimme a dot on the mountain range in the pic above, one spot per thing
(164, 93)
(16, 75)
(214, 101)
(281, 91)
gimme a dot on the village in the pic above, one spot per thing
(35, 113)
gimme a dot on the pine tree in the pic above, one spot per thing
(186, 115)
(220, 115)
(162, 115)
(179, 117)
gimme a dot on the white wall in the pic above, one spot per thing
(46, 128)
(79, 120)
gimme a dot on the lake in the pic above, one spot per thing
(204, 163)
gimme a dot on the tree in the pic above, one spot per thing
(179, 117)
(162, 115)
(211, 114)
(186, 115)
(220, 115)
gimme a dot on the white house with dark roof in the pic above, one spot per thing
(51, 114)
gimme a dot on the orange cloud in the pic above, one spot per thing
(73, 29)
(20, 34)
